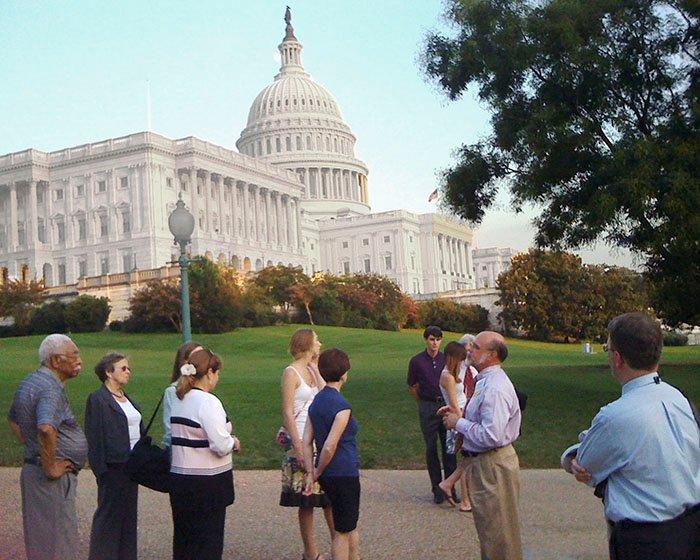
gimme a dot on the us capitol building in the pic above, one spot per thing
(294, 193)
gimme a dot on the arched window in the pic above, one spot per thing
(288, 143)
(268, 145)
(278, 144)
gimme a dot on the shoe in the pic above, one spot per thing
(439, 496)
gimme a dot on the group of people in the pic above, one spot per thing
(200, 443)
(642, 452)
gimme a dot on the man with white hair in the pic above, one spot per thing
(55, 449)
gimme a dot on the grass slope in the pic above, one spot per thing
(565, 388)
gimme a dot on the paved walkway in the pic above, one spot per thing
(561, 520)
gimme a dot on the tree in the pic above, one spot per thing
(217, 309)
(595, 120)
(156, 308)
(87, 314)
(553, 296)
(18, 300)
(49, 318)
(302, 293)
(276, 281)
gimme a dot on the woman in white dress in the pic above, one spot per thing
(300, 384)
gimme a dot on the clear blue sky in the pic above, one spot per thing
(74, 72)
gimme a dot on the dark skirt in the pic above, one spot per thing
(293, 482)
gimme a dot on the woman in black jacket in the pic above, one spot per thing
(113, 426)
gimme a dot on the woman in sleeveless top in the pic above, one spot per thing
(452, 388)
(300, 384)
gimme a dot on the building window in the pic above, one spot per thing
(309, 145)
(39, 197)
(183, 185)
(104, 264)
(213, 192)
(387, 262)
(410, 239)
(268, 146)
(298, 142)
(365, 242)
(101, 186)
(278, 145)
(61, 273)
(484, 268)
(82, 268)
(199, 188)
(82, 229)
(387, 239)
(21, 235)
(79, 191)
(346, 267)
(413, 262)
(104, 225)
(126, 262)
(126, 221)
(288, 142)
(41, 230)
(368, 266)
(61, 227)
(59, 194)
(169, 182)
(312, 246)
(124, 182)
(345, 244)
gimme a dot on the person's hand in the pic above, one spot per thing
(299, 452)
(580, 473)
(450, 418)
(459, 441)
(59, 468)
(236, 444)
(310, 480)
(444, 410)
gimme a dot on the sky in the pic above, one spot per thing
(75, 72)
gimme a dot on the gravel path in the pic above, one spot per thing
(561, 520)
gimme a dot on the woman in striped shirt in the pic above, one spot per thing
(201, 471)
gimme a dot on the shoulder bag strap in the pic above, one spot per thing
(153, 416)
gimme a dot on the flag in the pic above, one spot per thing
(433, 195)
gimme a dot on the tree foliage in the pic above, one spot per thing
(452, 316)
(595, 117)
(553, 296)
(18, 300)
(156, 308)
(276, 281)
(87, 314)
(49, 318)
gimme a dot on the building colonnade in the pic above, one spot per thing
(333, 184)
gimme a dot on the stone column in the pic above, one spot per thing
(220, 202)
(256, 212)
(13, 233)
(33, 233)
(246, 212)
(297, 221)
(280, 225)
(268, 216)
(135, 207)
(193, 200)
(289, 229)
(206, 189)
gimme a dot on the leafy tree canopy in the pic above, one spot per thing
(595, 116)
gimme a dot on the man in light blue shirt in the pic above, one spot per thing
(491, 423)
(646, 445)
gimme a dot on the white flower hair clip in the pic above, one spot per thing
(187, 370)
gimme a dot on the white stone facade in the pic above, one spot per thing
(294, 194)
(489, 263)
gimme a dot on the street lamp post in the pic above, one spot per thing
(181, 224)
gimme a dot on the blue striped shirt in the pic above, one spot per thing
(646, 443)
(41, 399)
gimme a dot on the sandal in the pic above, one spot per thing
(465, 509)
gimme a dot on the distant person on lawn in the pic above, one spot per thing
(644, 451)
(490, 425)
(423, 381)
(55, 449)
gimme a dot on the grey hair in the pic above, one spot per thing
(52, 345)
(466, 339)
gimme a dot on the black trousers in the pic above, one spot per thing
(197, 534)
(113, 533)
(677, 539)
(433, 433)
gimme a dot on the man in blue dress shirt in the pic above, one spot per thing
(646, 444)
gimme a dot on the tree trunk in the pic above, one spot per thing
(308, 313)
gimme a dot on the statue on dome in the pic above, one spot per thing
(288, 16)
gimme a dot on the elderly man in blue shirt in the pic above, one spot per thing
(646, 445)
(490, 425)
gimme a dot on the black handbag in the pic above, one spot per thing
(149, 464)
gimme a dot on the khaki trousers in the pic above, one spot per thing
(494, 485)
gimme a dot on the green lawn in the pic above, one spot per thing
(565, 387)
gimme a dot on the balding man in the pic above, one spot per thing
(55, 449)
(490, 425)
(646, 445)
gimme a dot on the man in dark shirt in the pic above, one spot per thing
(423, 380)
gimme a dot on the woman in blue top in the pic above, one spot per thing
(334, 430)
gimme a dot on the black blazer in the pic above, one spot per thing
(107, 430)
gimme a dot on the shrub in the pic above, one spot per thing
(116, 326)
(49, 318)
(155, 308)
(672, 338)
(87, 314)
(452, 316)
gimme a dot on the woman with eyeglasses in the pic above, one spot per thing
(113, 426)
(201, 472)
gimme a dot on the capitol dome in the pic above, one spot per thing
(296, 123)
